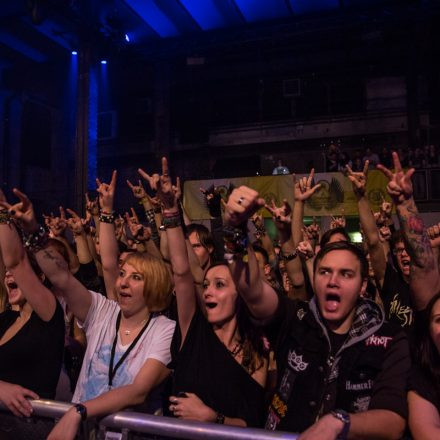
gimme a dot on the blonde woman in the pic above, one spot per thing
(128, 339)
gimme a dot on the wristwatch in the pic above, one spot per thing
(82, 411)
(344, 417)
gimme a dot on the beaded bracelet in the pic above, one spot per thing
(107, 217)
(5, 217)
(36, 240)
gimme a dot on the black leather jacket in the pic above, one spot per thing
(369, 371)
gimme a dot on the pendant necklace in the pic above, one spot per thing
(127, 332)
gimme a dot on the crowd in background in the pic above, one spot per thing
(337, 158)
(310, 334)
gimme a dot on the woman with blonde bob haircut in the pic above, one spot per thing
(128, 340)
(157, 291)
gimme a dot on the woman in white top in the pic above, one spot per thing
(128, 342)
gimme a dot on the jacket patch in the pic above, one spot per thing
(279, 406)
(272, 420)
(296, 362)
(377, 341)
(361, 404)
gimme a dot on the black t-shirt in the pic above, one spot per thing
(336, 341)
(423, 385)
(32, 358)
(205, 367)
(397, 300)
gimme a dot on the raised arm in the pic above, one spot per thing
(82, 248)
(303, 189)
(57, 227)
(424, 269)
(108, 244)
(141, 195)
(183, 279)
(259, 296)
(41, 299)
(368, 222)
(282, 218)
(50, 261)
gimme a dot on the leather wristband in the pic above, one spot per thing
(81, 410)
(344, 417)
(107, 217)
(37, 240)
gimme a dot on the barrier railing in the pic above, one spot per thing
(127, 421)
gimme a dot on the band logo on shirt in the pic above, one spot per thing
(403, 313)
(377, 341)
(349, 386)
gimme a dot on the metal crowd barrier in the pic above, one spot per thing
(166, 427)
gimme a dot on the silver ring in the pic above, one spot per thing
(240, 200)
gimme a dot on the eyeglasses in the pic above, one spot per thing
(399, 251)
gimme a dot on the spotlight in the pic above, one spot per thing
(103, 61)
(74, 52)
(127, 38)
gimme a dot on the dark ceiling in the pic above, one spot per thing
(40, 30)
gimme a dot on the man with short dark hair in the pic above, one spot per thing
(342, 370)
(202, 243)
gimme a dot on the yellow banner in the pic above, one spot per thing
(335, 197)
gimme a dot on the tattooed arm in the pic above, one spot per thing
(54, 266)
(424, 270)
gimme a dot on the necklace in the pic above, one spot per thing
(128, 332)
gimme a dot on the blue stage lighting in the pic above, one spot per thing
(103, 61)
(127, 38)
(74, 52)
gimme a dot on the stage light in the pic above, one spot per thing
(74, 52)
(127, 38)
(103, 61)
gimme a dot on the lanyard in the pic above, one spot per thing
(111, 370)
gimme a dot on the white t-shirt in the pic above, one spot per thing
(100, 328)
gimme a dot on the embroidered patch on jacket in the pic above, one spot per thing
(377, 341)
(296, 361)
(361, 404)
(278, 405)
(272, 420)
